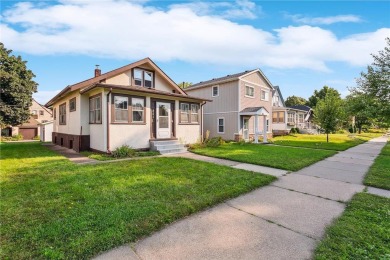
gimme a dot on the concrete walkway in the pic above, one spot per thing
(284, 220)
(71, 154)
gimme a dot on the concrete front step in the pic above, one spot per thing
(167, 147)
(175, 150)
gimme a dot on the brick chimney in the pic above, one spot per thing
(98, 72)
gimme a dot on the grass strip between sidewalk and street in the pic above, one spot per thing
(362, 232)
(379, 173)
(51, 208)
(337, 142)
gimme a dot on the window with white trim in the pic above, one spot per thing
(138, 105)
(221, 125)
(143, 78)
(121, 106)
(95, 108)
(249, 91)
(264, 95)
(215, 91)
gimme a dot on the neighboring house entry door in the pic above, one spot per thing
(245, 128)
(164, 118)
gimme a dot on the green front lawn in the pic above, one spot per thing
(362, 232)
(379, 173)
(51, 208)
(287, 158)
(338, 142)
(108, 157)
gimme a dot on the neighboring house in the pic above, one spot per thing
(240, 108)
(136, 105)
(30, 129)
(301, 116)
(284, 118)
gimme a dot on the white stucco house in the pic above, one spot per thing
(136, 105)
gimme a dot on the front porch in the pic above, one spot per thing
(255, 114)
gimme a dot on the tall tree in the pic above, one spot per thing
(295, 100)
(362, 108)
(318, 95)
(328, 113)
(16, 88)
(184, 84)
(375, 83)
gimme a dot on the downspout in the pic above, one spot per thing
(201, 120)
(108, 123)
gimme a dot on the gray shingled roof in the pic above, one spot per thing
(233, 76)
(252, 109)
(301, 107)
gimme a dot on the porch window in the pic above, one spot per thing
(249, 91)
(62, 114)
(300, 118)
(72, 104)
(221, 125)
(95, 108)
(290, 118)
(194, 113)
(184, 112)
(138, 105)
(278, 117)
(55, 113)
(121, 109)
(215, 91)
(143, 78)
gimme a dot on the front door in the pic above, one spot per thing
(163, 121)
(245, 128)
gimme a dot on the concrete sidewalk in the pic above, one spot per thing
(284, 220)
(72, 155)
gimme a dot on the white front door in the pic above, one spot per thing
(164, 119)
(245, 128)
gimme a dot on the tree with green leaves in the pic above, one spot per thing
(184, 85)
(16, 89)
(375, 84)
(362, 108)
(328, 113)
(295, 100)
(318, 95)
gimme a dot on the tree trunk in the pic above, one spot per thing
(327, 137)
(360, 129)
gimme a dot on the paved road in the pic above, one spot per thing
(284, 220)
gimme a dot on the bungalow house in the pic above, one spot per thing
(136, 105)
(284, 118)
(30, 129)
(241, 106)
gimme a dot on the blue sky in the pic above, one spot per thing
(299, 45)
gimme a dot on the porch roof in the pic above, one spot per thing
(251, 111)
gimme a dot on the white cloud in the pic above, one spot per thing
(42, 97)
(240, 9)
(131, 30)
(298, 18)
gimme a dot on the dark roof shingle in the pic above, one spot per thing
(233, 76)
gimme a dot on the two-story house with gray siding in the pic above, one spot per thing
(241, 106)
